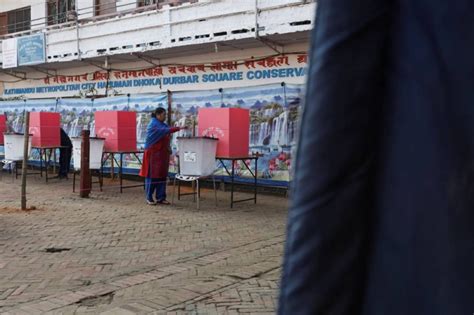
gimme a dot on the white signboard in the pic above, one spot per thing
(9, 53)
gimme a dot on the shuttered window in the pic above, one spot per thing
(58, 10)
(19, 20)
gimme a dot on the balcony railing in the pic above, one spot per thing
(186, 23)
(84, 15)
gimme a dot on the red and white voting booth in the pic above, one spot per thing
(230, 126)
(118, 128)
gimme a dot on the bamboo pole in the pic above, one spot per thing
(24, 168)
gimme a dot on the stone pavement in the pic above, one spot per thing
(112, 254)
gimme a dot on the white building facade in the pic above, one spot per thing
(189, 54)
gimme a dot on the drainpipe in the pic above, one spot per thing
(77, 38)
(256, 20)
(107, 67)
(257, 35)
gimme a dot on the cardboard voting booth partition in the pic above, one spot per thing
(45, 129)
(230, 126)
(118, 128)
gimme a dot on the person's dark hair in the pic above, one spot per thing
(158, 111)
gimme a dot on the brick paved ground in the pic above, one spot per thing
(112, 254)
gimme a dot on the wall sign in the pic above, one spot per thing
(9, 53)
(291, 69)
(31, 50)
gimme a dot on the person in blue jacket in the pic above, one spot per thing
(382, 212)
(156, 157)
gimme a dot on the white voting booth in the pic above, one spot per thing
(14, 146)
(197, 160)
(96, 148)
(197, 156)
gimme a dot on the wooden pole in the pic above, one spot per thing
(170, 112)
(85, 185)
(24, 168)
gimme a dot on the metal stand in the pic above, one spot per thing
(232, 175)
(11, 166)
(99, 181)
(111, 155)
(46, 152)
(196, 189)
(19, 162)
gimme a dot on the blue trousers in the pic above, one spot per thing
(155, 186)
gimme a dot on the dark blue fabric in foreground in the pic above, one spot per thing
(382, 214)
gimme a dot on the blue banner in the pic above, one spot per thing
(274, 111)
(31, 50)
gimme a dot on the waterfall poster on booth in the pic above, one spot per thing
(78, 114)
(273, 109)
(274, 112)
